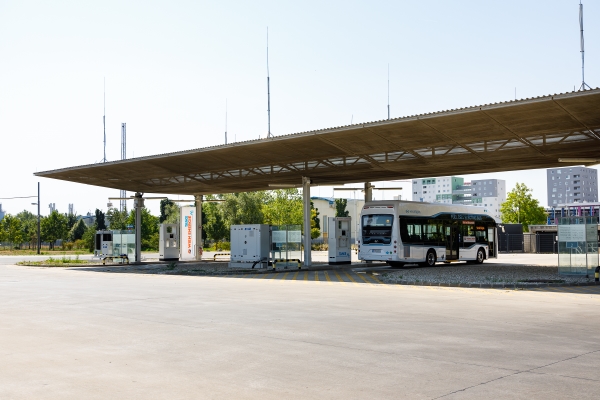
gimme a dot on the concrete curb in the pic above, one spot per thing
(494, 285)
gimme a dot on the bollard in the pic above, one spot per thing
(597, 274)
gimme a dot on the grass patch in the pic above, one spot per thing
(63, 261)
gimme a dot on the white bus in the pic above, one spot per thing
(408, 232)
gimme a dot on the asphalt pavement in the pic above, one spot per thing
(72, 334)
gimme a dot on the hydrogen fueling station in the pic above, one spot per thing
(542, 132)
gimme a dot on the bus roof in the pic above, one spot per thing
(417, 208)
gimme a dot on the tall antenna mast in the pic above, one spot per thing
(225, 121)
(583, 84)
(123, 193)
(388, 91)
(268, 90)
(104, 121)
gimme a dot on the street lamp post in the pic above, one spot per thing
(39, 239)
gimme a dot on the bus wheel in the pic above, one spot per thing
(480, 256)
(430, 259)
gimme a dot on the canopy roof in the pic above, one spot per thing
(516, 135)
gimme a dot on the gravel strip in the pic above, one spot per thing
(496, 274)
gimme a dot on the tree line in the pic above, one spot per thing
(219, 212)
(273, 207)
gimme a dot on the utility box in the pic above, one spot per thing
(338, 240)
(250, 244)
(168, 242)
(104, 244)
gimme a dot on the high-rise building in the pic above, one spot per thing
(572, 185)
(486, 193)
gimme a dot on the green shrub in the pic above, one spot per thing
(222, 246)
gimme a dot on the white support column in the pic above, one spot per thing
(199, 243)
(368, 197)
(306, 212)
(368, 191)
(138, 204)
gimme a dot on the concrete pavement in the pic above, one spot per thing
(68, 334)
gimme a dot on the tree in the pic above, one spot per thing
(340, 208)
(315, 231)
(215, 227)
(172, 214)
(12, 230)
(54, 227)
(71, 220)
(117, 220)
(283, 207)
(164, 206)
(77, 231)
(89, 238)
(100, 222)
(314, 214)
(29, 226)
(243, 208)
(521, 207)
(149, 231)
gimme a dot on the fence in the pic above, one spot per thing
(30, 246)
(528, 243)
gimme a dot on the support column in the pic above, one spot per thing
(368, 197)
(138, 204)
(199, 198)
(39, 238)
(306, 214)
(368, 191)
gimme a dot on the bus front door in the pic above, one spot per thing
(452, 242)
(493, 242)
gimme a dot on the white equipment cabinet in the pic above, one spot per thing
(250, 244)
(339, 240)
(168, 242)
(104, 244)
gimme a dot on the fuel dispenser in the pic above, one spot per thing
(168, 242)
(339, 240)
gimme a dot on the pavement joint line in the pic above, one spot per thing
(376, 279)
(339, 278)
(364, 279)
(351, 278)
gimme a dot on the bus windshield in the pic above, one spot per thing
(377, 228)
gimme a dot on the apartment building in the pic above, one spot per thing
(486, 193)
(572, 185)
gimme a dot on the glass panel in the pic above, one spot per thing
(377, 228)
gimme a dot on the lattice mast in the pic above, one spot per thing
(388, 91)
(104, 122)
(584, 85)
(123, 193)
(268, 90)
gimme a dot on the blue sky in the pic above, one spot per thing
(170, 66)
